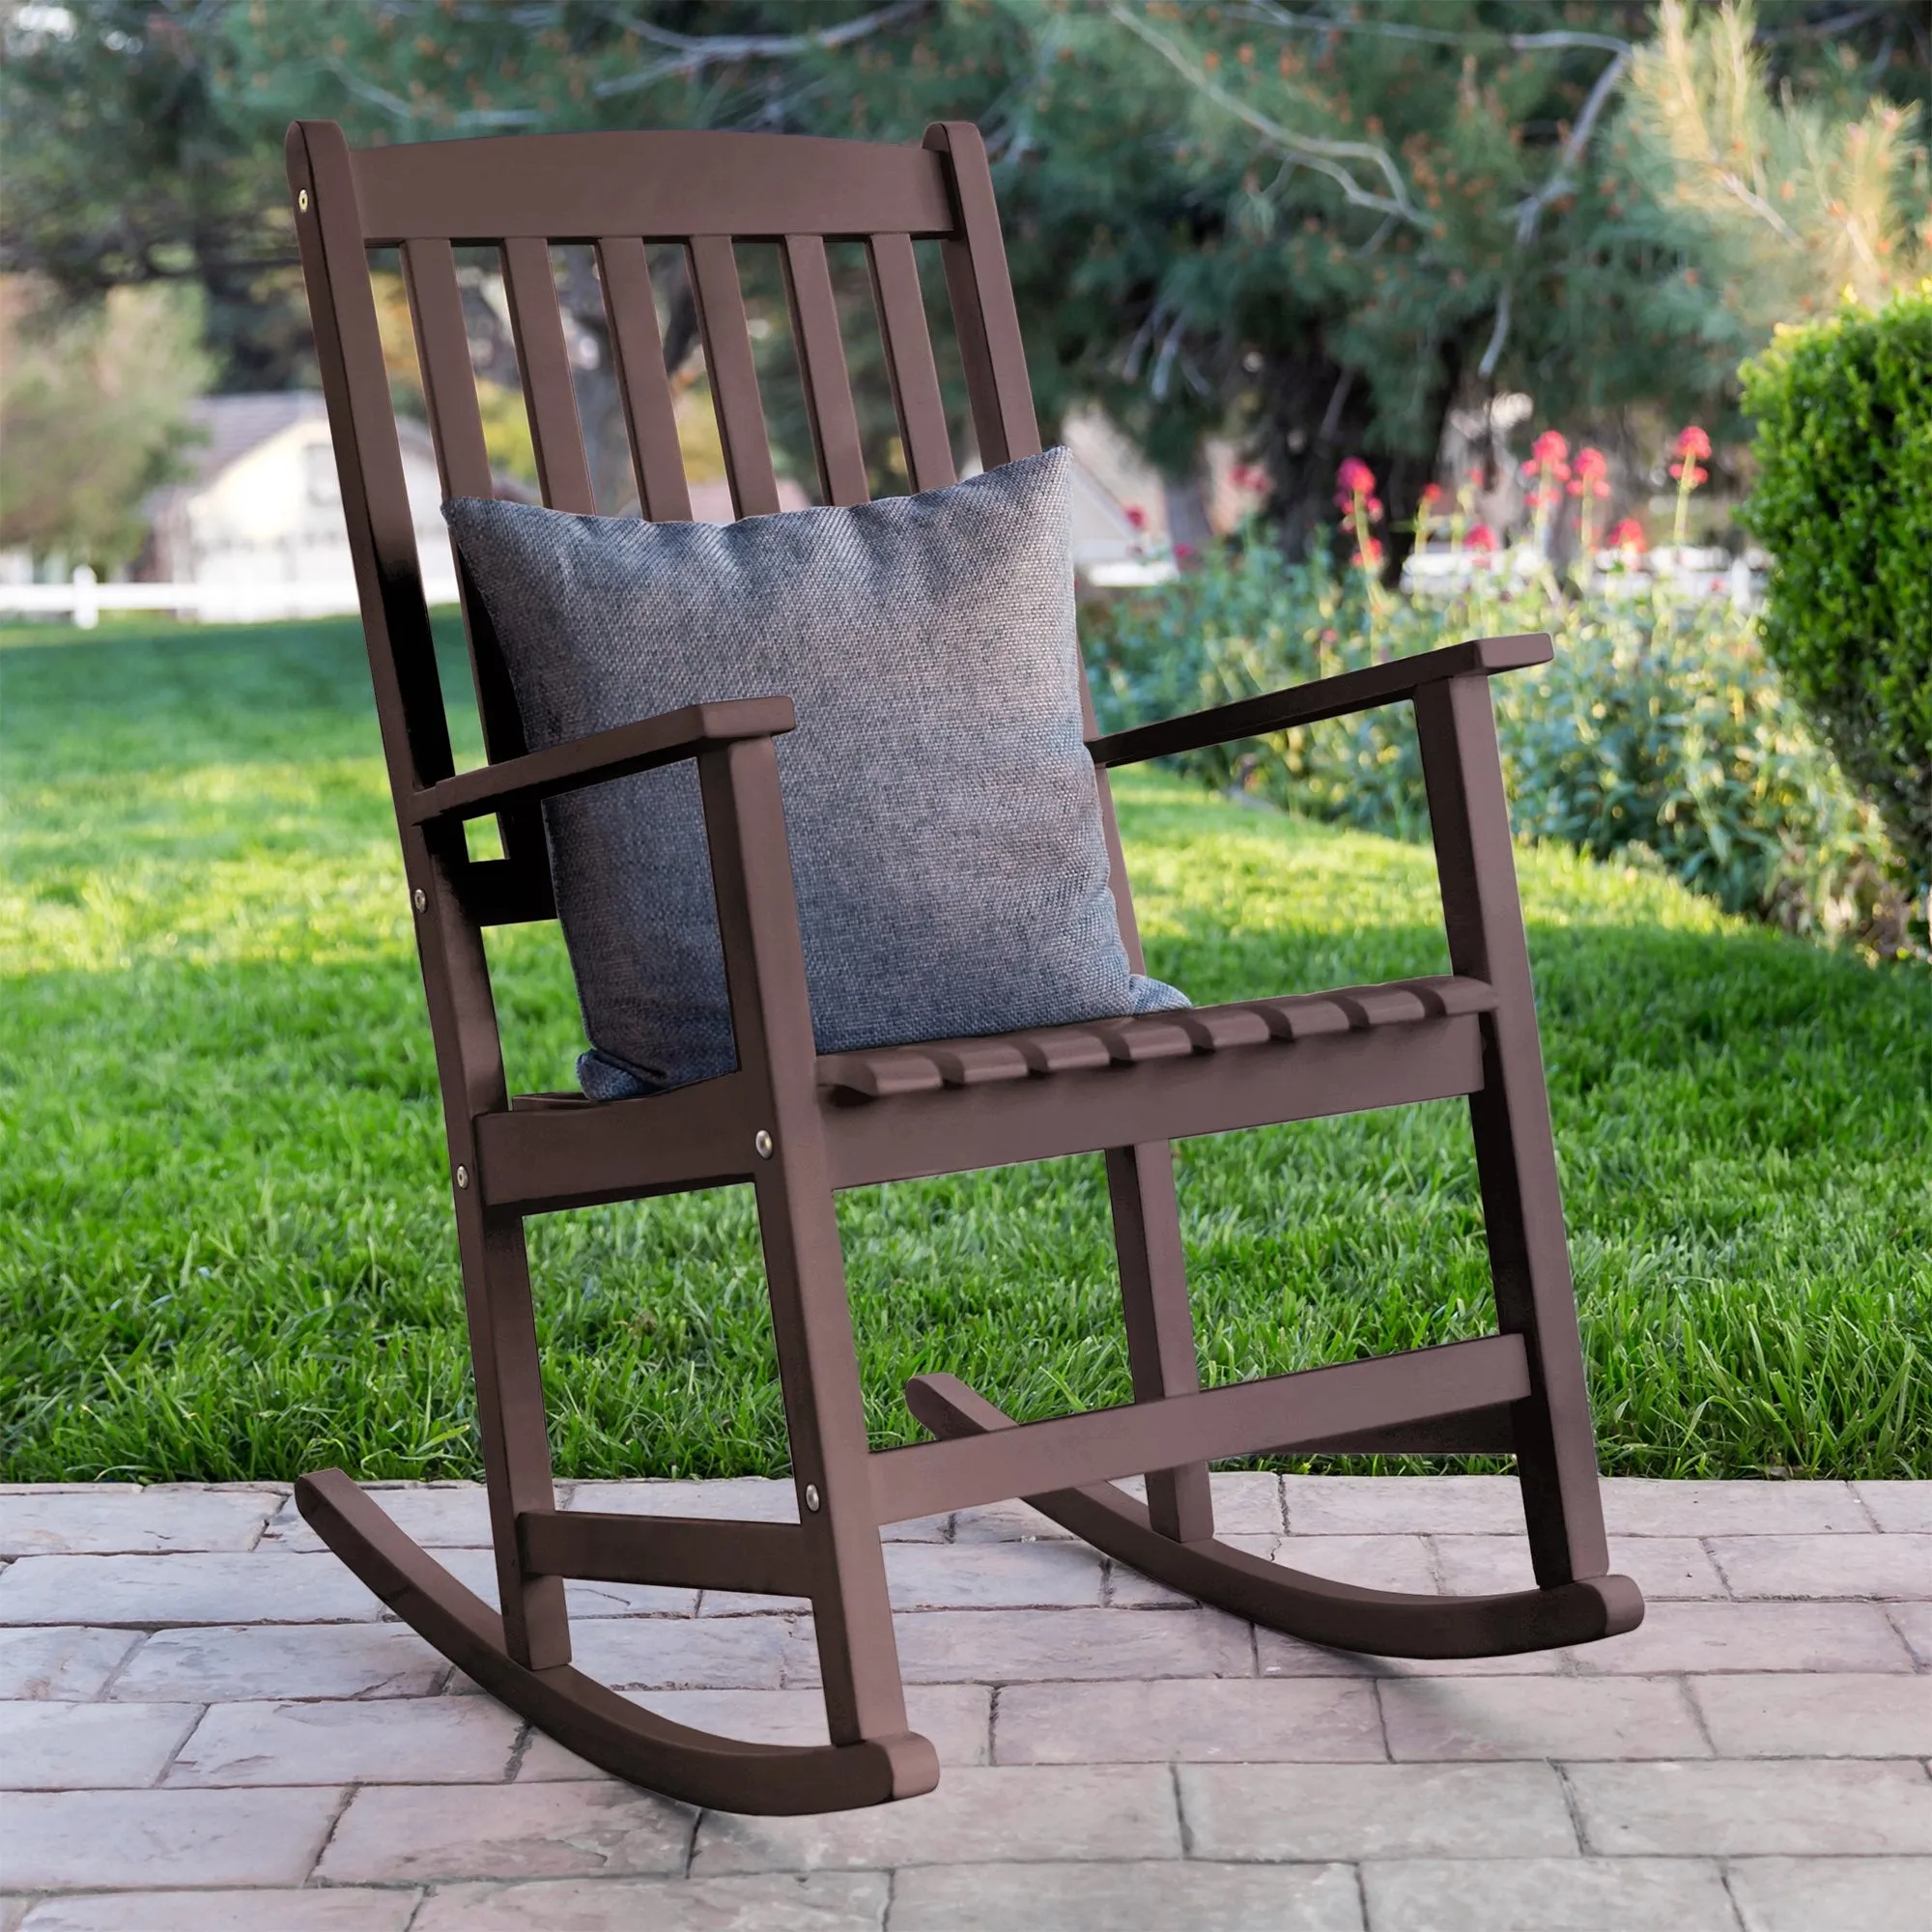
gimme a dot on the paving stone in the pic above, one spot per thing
(1375, 1562)
(788, 1902)
(1006, 1522)
(1247, 1502)
(1216, 1720)
(755, 1498)
(13, 1909)
(1897, 1506)
(1019, 1646)
(1896, 1564)
(357, 1911)
(954, 1716)
(258, 1587)
(1760, 1637)
(239, 1662)
(1146, 1897)
(68, 1662)
(1404, 1505)
(1658, 1506)
(1913, 1624)
(1811, 1894)
(671, 1653)
(1127, 1589)
(1548, 1896)
(1282, 1656)
(440, 1516)
(147, 1521)
(476, 1569)
(1665, 1567)
(1292, 1811)
(46, 1746)
(81, 1840)
(391, 1741)
(977, 1816)
(1725, 1809)
(1508, 1718)
(418, 1832)
(1787, 1717)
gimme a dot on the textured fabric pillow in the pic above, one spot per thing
(945, 828)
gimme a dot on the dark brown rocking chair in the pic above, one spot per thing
(795, 1126)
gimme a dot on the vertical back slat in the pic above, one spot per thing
(987, 323)
(443, 353)
(642, 382)
(914, 373)
(462, 462)
(544, 357)
(821, 361)
(734, 374)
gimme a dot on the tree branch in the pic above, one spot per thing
(1325, 157)
(692, 52)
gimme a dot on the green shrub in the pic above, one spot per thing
(1843, 502)
(1660, 732)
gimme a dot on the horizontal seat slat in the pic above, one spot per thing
(887, 1071)
(658, 185)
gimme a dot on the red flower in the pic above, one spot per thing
(1356, 482)
(1481, 539)
(1431, 495)
(1247, 476)
(1688, 473)
(1628, 535)
(1183, 553)
(1693, 441)
(1137, 516)
(1370, 552)
(1551, 448)
(1592, 468)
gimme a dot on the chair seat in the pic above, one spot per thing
(888, 1072)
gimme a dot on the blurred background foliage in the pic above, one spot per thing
(1314, 228)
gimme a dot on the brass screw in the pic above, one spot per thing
(463, 1176)
(301, 201)
(421, 898)
(811, 1497)
(762, 1141)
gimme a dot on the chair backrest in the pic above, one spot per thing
(524, 194)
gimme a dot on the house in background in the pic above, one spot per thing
(257, 526)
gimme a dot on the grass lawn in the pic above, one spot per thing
(225, 1238)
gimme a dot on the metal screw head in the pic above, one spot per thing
(421, 898)
(301, 201)
(762, 1141)
(463, 1176)
(811, 1497)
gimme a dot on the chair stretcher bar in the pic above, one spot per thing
(1277, 1414)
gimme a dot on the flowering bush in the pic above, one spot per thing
(1660, 733)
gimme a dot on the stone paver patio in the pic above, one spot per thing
(209, 1724)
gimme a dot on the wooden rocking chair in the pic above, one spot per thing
(796, 1126)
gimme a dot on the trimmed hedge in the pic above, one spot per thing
(1843, 502)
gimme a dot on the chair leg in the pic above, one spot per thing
(1160, 1323)
(825, 1417)
(1515, 1155)
(510, 1418)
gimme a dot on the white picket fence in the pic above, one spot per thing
(84, 598)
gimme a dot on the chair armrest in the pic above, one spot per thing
(603, 755)
(1326, 698)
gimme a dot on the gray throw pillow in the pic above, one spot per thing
(945, 828)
